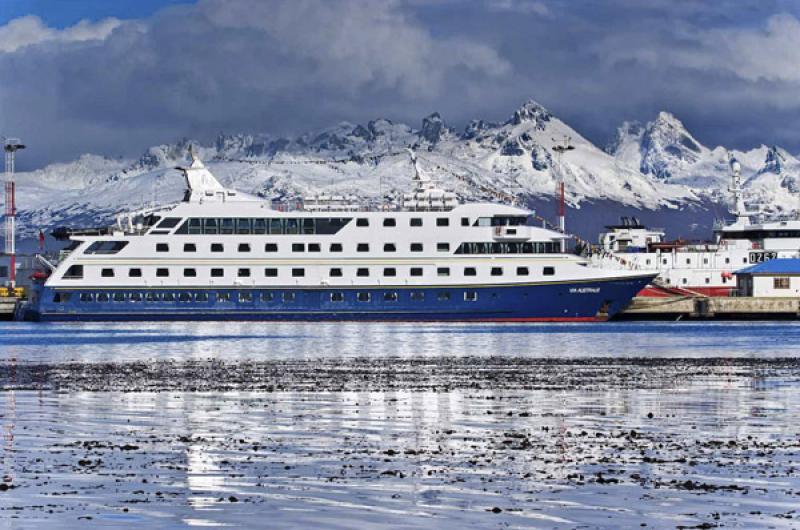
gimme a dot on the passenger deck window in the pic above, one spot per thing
(363, 297)
(217, 273)
(217, 247)
(390, 296)
(415, 221)
(443, 296)
(189, 247)
(298, 247)
(497, 271)
(134, 273)
(549, 271)
(390, 271)
(442, 221)
(336, 247)
(313, 247)
(362, 222)
(298, 273)
(389, 247)
(271, 247)
(417, 296)
(362, 272)
(443, 271)
(470, 271)
(337, 297)
(416, 247)
(74, 272)
(107, 273)
(443, 247)
(243, 273)
(244, 247)
(470, 296)
(162, 247)
(162, 272)
(416, 271)
(271, 272)
(522, 271)
(189, 273)
(362, 247)
(336, 273)
(389, 221)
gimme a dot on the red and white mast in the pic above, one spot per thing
(11, 146)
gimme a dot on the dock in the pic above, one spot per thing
(8, 305)
(708, 308)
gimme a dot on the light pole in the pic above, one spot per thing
(11, 146)
(560, 149)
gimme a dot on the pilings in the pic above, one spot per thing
(709, 308)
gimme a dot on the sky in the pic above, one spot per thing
(115, 77)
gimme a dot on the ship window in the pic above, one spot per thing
(336, 247)
(210, 226)
(308, 226)
(184, 297)
(497, 271)
(684, 281)
(727, 260)
(470, 296)
(86, 297)
(271, 272)
(217, 247)
(189, 247)
(292, 226)
(195, 226)
(118, 297)
(469, 271)
(362, 272)
(298, 273)
(217, 273)
(135, 273)
(271, 247)
(169, 297)
(389, 247)
(136, 297)
(298, 247)
(226, 226)
(522, 271)
(74, 272)
(708, 280)
(443, 296)
(259, 226)
(465, 221)
(483, 221)
(276, 226)
(416, 247)
(162, 273)
(169, 222)
(105, 247)
(63, 298)
(244, 247)
(245, 296)
(781, 283)
(243, 273)
(224, 297)
(389, 221)
(705, 261)
(243, 226)
(337, 297)
(442, 221)
(363, 297)
(201, 297)
(415, 221)
(390, 296)
(688, 261)
(313, 247)
(102, 297)
(744, 260)
(390, 271)
(336, 273)
(416, 271)
(443, 271)
(107, 273)
(362, 222)
(647, 261)
(152, 297)
(189, 273)
(362, 247)
(549, 271)
(417, 296)
(162, 247)
(289, 297)
(443, 247)
(267, 296)
(663, 262)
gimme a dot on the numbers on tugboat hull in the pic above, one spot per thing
(761, 257)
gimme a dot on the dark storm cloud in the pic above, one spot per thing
(728, 69)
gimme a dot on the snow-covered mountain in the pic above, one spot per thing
(653, 166)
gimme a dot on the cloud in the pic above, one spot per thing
(28, 30)
(726, 68)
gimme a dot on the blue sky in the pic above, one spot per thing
(114, 77)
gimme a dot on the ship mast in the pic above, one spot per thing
(739, 209)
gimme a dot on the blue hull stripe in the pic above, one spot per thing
(558, 301)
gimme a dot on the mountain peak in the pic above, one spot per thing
(433, 128)
(531, 111)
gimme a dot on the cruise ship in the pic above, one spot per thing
(701, 268)
(223, 255)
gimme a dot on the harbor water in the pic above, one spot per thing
(331, 425)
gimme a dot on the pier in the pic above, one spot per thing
(708, 308)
